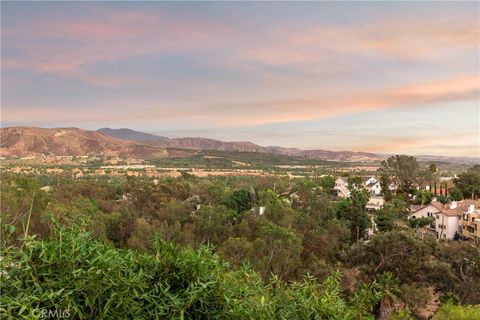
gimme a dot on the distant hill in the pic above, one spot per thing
(191, 143)
(31, 141)
(28, 141)
(132, 135)
(196, 143)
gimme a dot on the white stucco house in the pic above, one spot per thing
(374, 188)
(341, 187)
(446, 218)
(370, 183)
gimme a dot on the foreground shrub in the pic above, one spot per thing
(450, 311)
(72, 272)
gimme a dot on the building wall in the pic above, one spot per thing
(341, 186)
(449, 224)
(426, 212)
(376, 189)
(471, 220)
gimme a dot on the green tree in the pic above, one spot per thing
(327, 183)
(385, 218)
(213, 224)
(283, 248)
(358, 216)
(353, 210)
(419, 222)
(354, 182)
(468, 182)
(240, 200)
(423, 197)
(442, 198)
(430, 175)
(398, 252)
(455, 194)
(404, 171)
(385, 183)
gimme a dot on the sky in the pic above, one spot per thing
(387, 77)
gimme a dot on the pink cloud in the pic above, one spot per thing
(347, 102)
(251, 111)
(404, 39)
(452, 144)
(109, 35)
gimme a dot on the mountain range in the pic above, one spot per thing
(196, 143)
(32, 141)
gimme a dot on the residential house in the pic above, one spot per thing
(370, 183)
(374, 188)
(447, 219)
(426, 211)
(471, 220)
(341, 187)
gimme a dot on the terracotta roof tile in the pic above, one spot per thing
(462, 207)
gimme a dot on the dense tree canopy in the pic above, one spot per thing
(403, 170)
(306, 254)
(468, 182)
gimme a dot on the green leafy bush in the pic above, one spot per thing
(454, 312)
(92, 280)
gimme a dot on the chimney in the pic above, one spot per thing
(471, 208)
(453, 204)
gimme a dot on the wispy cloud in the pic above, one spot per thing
(240, 113)
(223, 67)
(112, 35)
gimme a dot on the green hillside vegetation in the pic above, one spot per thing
(72, 271)
(213, 159)
(196, 248)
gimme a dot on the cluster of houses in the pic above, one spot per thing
(370, 183)
(455, 219)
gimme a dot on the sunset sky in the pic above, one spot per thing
(396, 77)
